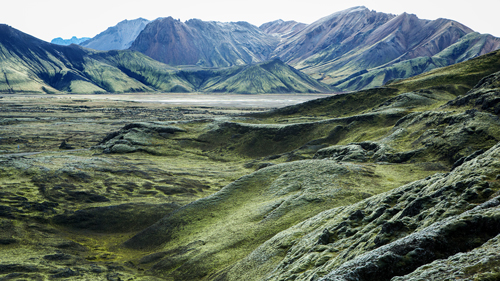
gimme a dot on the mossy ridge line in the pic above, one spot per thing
(333, 238)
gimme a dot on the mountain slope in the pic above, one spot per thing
(283, 29)
(269, 77)
(470, 46)
(338, 33)
(196, 42)
(32, 65)
(118, 37)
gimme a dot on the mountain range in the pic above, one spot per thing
(30, 65)
(349, 50)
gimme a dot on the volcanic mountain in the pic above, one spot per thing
(118, 37)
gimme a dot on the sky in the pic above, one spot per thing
(48, 19)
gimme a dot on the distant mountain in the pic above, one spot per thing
(210, 44)
(349, 50)
(118, 37)
(66, 42)
(348, 44)
(30, 65)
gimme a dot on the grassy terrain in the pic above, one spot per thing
(340, 186)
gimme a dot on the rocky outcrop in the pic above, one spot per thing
(485, 95)
(136, 137)
(392, 234)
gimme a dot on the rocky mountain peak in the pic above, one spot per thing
(118, 37)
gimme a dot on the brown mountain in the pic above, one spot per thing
(338, 33)
(212, 44)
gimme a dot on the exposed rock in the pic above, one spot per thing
(135, 136)
(356, 152)
(485, 95)
(429, 219)
(65, 145)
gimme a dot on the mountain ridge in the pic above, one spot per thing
(333, 49)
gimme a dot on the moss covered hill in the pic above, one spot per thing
(394, 183)
(30, 65)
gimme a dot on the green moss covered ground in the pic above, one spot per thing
(387, 183)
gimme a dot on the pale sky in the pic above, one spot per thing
(48, 19)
